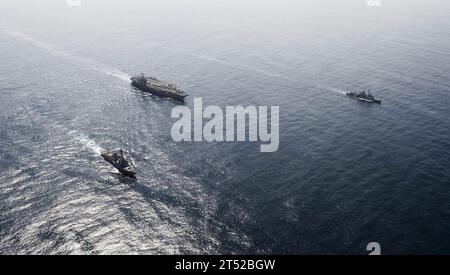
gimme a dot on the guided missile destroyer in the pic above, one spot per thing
(364, 96)
(157, 87)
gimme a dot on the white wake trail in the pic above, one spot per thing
(338, 91)
(87, 142)
(322, 88)
(83, 62)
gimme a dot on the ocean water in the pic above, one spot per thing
(346, 173)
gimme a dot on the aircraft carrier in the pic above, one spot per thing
(157, 87)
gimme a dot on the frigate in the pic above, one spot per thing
(117, 159)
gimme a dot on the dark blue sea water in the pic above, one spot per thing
(346, 173)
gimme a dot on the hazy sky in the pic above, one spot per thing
(43, 7)
(189, 17)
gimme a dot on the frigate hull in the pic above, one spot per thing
(129, 171)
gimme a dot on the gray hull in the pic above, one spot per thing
(127, 172)
(377, 101)
(157, 92)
